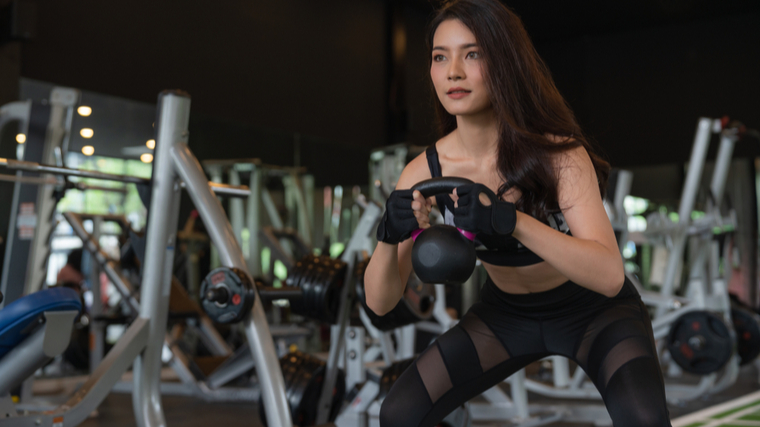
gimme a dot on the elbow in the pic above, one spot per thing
(374, 303)
(615, 285)
(376, 306)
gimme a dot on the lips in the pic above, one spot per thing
(454, 90)
(457, 93)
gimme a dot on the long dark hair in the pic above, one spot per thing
(526, 103)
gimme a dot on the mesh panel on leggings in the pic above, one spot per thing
(612, 340)
(600, 323)
(433, 373)
(623, 352)
(490, 350)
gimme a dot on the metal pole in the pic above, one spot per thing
(696, 164)
(171, 128)
(722, 165)
(254, 222)
(256, 326)
(97, 345)
(236, 208)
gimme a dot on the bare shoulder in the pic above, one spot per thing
(415, 171)
(576, 175)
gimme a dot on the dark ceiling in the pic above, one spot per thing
(561, 19)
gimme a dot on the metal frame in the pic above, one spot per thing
(142, 343)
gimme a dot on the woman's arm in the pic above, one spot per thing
(590, 257)
(389, 268)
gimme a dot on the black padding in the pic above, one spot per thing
(144, 191)
(138, 243)
(443, 185)
(460, 356)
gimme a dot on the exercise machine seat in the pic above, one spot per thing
(17, 316)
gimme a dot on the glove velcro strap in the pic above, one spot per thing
(503, 217)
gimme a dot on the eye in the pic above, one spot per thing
(438, 58)
(473, 55)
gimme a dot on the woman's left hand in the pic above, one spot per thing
(471, 212)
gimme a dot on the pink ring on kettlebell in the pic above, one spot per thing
(416, 233)
(467, 234)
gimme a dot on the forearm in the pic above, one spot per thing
(383, 284)
(586, 262)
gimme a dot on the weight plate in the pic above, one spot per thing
(701, 342)
(747, 327)
(240, 295)
(304, 375)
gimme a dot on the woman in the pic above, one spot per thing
(556, 284)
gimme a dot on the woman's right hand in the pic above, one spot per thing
(399, 219)
(421, 208)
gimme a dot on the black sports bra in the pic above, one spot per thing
(503, 251)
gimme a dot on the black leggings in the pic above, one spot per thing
(610, 338)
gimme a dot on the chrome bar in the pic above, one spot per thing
(256, 326)
(171, 129)
(58, 170)
(223, 189)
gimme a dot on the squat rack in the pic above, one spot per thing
(141, 344)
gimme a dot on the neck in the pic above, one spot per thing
(478, 134)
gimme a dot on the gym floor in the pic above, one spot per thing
(116, 410)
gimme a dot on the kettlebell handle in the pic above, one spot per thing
(441, 185)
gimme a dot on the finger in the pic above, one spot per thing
(423, 222)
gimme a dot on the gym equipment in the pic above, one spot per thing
(442, 253)
(33, 329)
(701, 342)
(320, 280)
(227, 295)
(416, 305)
(304, 376)
(385, 167)
(298, 187)
(142, 343)
(747, 326)
(47, 127)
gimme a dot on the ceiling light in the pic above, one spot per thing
(88, 150)
(86, 133)
(21, 138)
(84, 111)
(151, 143)
(146, 158)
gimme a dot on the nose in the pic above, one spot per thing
(456, 72)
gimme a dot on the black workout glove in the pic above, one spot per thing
(398, 221)
(471, 215)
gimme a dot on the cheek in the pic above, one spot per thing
(435, 76)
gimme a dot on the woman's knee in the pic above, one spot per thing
(407, 401)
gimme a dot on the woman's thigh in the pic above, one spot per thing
(616, 350)
(460, 364)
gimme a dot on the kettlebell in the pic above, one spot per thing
(442, 253)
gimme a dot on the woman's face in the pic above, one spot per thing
(456, 70)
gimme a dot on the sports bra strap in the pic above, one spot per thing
(433, 163)
(444, 201)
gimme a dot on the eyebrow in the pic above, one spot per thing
(464, 46)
